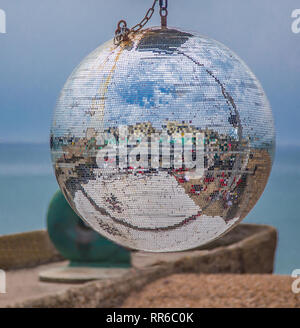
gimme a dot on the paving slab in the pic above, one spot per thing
(24, 283)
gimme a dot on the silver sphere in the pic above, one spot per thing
(164, 142)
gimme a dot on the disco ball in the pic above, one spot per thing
(164, 142)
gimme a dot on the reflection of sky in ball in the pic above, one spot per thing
(149, 86)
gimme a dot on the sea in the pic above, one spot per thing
(27, 184)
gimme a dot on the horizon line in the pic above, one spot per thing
(44, 142)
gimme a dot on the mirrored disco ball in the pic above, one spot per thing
(164, 142)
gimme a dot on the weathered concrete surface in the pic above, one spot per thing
(27, 249)
(216, 291)
(245, 249)
(24, 284)
(249, 249)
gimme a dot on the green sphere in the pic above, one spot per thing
(79, 243)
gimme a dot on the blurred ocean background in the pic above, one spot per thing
(28, 183)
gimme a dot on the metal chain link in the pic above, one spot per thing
(163, 12)
(145, 20)
(122, 31)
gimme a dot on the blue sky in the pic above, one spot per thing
(46, 39)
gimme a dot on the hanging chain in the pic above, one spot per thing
(122, 31)
(145, 20)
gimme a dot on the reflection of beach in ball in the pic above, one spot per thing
(163, 143)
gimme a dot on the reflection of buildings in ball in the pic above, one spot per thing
(162, 83)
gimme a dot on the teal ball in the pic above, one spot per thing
(78, 242)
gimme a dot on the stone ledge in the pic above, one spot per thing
(252, 252)
(248, 248)
(25, 250)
